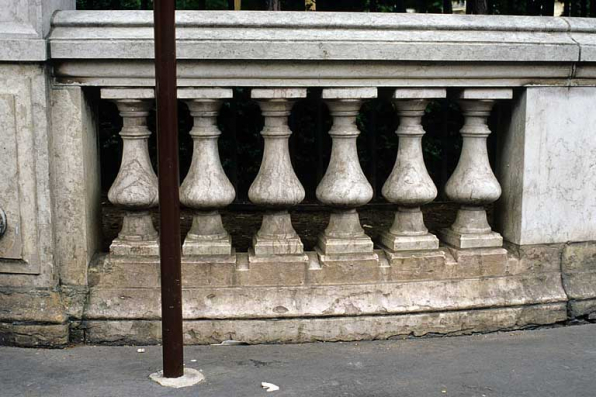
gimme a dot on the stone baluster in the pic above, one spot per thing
(135, 188)
(276, 186)
(206, 188)
(344, 186)
(409, 185)
(473, 184)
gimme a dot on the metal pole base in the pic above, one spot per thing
(190, 378)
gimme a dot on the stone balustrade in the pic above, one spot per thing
(532, 266)
(276, 188)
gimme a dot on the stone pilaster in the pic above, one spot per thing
(276, 186)
(473, 184)
(206, 188)
(135, 188)
(344, 186)
(409, 185)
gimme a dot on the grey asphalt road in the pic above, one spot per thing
(547, 362)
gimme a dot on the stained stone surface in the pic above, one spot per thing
(332, 329)
(579, 277)
(547, 167)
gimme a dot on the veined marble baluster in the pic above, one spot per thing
(135, 188)
(276, 186)
(409, 185)
(206, 188)
(344, 186)
(473, 184)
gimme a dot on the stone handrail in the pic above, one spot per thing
(326, 49)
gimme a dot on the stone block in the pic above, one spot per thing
(205, 93)
(468, 240)
(278, 93)
(342, 270)
(582, 308)
(550, 129)
(286, 270)
(262, 247)
(533, 259)
(485, 93)
(217, 272)
(24, 25)
(419, 93)
(578, 257)
(76, 171)
(408, 243)
(332, 300)
(580, 285)
(124, 248)
(332, 329)
(481, 262)
(197, 247)
(330, 246)
(350, 93)
(419, 265)
(34, 335)
(31, 306)
(127, 93)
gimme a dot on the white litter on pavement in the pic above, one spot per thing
(269, 387)
(140, 350)
(230, 343)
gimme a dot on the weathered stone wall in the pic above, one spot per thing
(55, 286)
(31, 306)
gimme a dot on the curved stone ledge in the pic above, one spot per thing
(330, 329)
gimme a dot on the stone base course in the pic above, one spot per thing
(446, 291)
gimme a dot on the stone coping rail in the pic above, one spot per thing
(327, 49)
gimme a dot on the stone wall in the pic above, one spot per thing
(535, 268)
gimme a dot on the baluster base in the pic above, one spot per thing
(207, 236)
(408, 232)
(200, 247)
(344, 235)
(277, 236)
(285, 246)
(471, 230)
(395, 243)
(138, 237)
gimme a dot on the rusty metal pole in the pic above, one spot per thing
(169, 200)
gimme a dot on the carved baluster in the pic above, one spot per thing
(135, 188)
(473, 184)
(344, 186)
(206, 188)
(276, 186)
(409, 185)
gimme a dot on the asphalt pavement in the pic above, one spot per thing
(546, 362)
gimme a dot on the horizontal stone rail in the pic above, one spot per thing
(327, 49)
